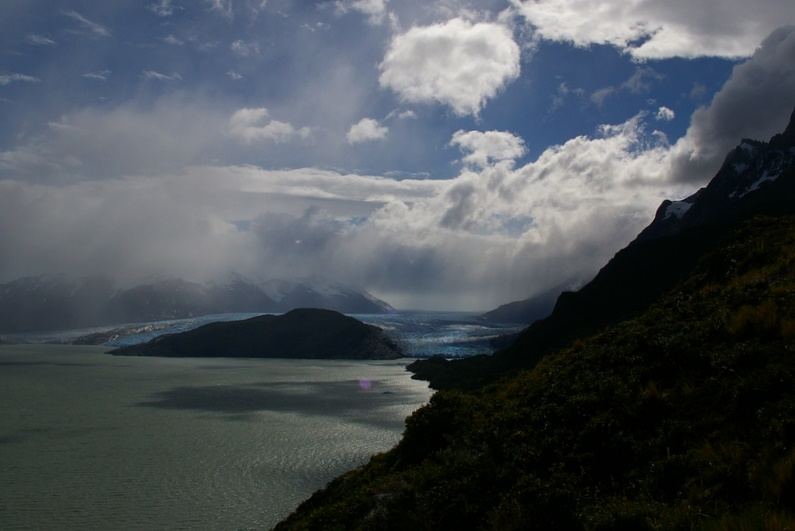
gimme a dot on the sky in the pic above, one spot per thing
(442, 155)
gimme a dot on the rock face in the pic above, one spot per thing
(756, 178)
(303, 333)
(46, 303)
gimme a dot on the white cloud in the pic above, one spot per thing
(159, 76)
(456, 63)
(660, 30)
(374, 10)
(39, 40)
(641, 80)
(255, 125)
(231, 74)
(222, 7)
(408, 114)
(755, 102)
(244, 49)
(482, 148)
(174, 41)
(89, 27)
(562, 93)
(598, 97)
(665, 114)
(366, 130)
(101, 75)
(162, 8)
(7, 79)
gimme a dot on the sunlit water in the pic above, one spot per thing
(92, 441)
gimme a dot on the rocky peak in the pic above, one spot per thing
(749, 178)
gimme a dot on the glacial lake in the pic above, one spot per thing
(93, 441)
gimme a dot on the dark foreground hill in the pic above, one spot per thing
(680, 418)
(305, 333)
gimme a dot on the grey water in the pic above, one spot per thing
(92, 441)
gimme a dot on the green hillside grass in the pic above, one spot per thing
(680, 418)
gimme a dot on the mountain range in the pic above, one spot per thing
(46, 303)
(755, 178)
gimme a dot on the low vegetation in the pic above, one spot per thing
(682, 417)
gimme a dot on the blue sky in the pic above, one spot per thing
(238, 125)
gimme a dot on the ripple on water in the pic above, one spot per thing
(89, 443)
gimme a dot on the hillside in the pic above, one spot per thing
(755, 178)
(305, 333)
(682, 417)
(527, 310)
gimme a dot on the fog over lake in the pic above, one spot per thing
(92, 441)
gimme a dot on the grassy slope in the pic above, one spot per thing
(680, 418)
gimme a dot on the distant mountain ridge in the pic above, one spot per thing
(45, 303)
(756, 178)
(528, 310)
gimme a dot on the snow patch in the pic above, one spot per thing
(764, 178)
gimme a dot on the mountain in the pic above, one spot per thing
(525, 311)
(756, 178)
(680, 417)
(304, 333)
(48, 303)
(52, 302)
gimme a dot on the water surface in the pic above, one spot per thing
(91, 441)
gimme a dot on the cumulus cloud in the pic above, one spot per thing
(654, 30)
(456, 63)
(665, 114)
(234, 76)
(255, 125)
(755, 102)
(88, 27)
(483, 148)
(7, 79)
(366, 130)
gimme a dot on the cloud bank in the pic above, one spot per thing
(660, 30)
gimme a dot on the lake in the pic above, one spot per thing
(92, 441)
